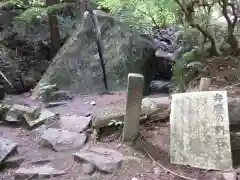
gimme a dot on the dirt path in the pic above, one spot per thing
(156, 136)
(28, 145)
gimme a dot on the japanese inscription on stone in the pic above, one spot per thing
(199, 130)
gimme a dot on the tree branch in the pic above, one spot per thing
(188, 11)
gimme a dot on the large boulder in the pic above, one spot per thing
(77, 65)
(24, 51)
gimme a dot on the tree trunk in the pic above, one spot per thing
(231, 39)
(53, 29)
(231, 25)
(189, 17)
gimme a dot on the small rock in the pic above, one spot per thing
(60, 96)
(42, 171)
(12, 117)
(42, 160)
(134, 178)
(6, 147)
(3, 111)
(230, 175)
(36, 111)
(164, 54)
(72, 123)
(159, 86)
(55, 104)
(85, 177)
(93, 103)
(45, 115)
(157, 172)
(104, 159)
(40, 130)
(88, 114)
(88, 168)
(152, 104)
(62, 140)
(20, 109)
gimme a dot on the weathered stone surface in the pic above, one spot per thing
(88, 168)
(14, 161)
(125, 52)
(104, 159)
(164, 54)
(62, 140)
(85, 177)
(133, 106)
(102, 117)
(234, 111)
(6, 147)
(3, 111)
(157, 172)
(45, 115)
(160, 86)
(150, 105)
(43, 160)
(18, 111)
(25, 67)
(12, 117)
(55, 104)
(42, 171)
(230, 175)
(40, 130)
(60, 96)
(72, 123)
(21, 109)
(199, 131)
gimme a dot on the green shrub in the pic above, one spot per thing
(141, 14)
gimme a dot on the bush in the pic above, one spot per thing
(141, 14)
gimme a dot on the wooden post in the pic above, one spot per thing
(204, 84)
(133, 106)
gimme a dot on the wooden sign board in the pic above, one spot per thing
(199, 130)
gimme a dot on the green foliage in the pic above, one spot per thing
(180, 72)
(18, 3)
(38, 12)
(34, 10)
(116, 123)
(141, 14)
(31, 14)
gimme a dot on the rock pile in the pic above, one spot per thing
(167, 52)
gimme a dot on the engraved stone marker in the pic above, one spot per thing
(199, 130)
(133, 106)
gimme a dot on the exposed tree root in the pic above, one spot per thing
(161, 166)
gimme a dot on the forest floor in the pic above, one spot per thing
(152, 148)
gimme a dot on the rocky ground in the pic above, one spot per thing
(67, 149)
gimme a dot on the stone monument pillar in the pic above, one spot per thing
(133, 106)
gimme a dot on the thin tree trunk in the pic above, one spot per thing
(53, 29)
(231, 25)
(192, 23)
